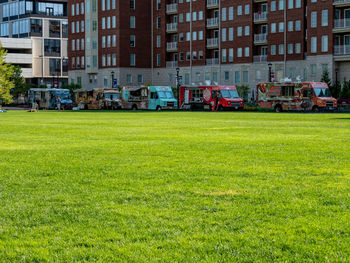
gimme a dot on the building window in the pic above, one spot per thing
(132, 60)
(132, 22)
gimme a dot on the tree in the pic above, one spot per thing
(72, 87)
(345, 91)
(20, 86)
(6, 82)
(243, 92)
(333, 87)
(325, 78)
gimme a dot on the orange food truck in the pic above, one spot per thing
(295, 96)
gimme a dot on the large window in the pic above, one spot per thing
(55, 66)
(54, 28)
(64, 29)
(52, 47)
(36, 28)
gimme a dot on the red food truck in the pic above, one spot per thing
(213, 98)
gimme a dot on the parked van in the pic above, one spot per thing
(47, 98)
(148, 98)
(213, 98)
(295, 96)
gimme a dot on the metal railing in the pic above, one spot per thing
(342, 23)
(212, 22)
(212, 42)
(341, 1)
(212, 3)
(342, 50)
(171, 27)
(171, 46)
(212, 61)
(260, 38)
(261, 58)
(262, 16)
(172, 64)
(172, 8)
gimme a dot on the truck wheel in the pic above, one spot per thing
(159, 108)
(134, 107)
(278, 108)
(221, 108)
(315, 109)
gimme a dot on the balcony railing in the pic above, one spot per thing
(172, 64)
(261, 58)
(171, 46)
(342, 50)
(212, 42)
(258, 17)
(212, 3)
(172, 27)
(213, 22)
(212, 61)
(172, 8)
(342, 23)
(260, 38)
(341, 2)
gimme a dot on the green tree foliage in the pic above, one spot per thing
(345, 91)
(20, 86)
(334, 87)
(6, 82)
(243, 91)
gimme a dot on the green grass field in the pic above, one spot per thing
(174, 187)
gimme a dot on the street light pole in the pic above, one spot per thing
(178, 86)
(270, 71)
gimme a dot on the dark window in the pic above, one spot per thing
(36, 28)
(52, 47)
(288, 91)
(64, 29)
(54, 26)
(55, 66)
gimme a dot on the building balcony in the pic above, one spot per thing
(260, 59)
(171, 9)
(212, 4)
(260, 39)
(171, 28)
(212, 61)
(342, 53)
(172, 64)
(341, 25)
(340, 3)
(213, 22)
(213, 43)
(171, 47)
(260, 17)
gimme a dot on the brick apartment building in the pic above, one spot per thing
(223, 41)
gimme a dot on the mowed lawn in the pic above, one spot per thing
(174, 187)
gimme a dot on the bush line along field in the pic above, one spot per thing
(174, 187)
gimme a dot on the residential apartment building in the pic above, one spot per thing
(222, 41)
(35, 34)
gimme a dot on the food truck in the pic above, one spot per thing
(213, 98)
(148, 98)
(98, 99)
(47, 98)
(295, 96)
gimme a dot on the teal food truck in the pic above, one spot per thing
(47, 98)
(148, 98)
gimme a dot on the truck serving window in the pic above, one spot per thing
(287, 91)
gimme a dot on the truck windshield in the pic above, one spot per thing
(325, 93)
(229, 94)
(165, 95)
